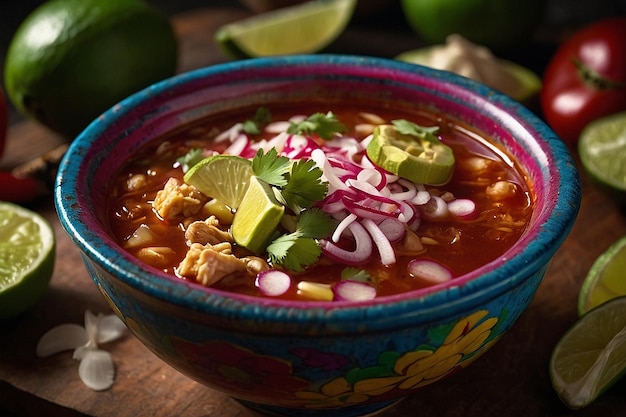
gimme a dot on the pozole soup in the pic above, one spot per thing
(320, 203)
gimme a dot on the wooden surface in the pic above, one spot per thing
(509, 380)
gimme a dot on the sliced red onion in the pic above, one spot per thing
(385, 250)
(277, 127)
(362, 251)
(421, 197)
(230, 134)
(409, 190)
(435, 209)
(342, 226)
(334, 183)
(393, 229)
(273, 282)
(349, 290)
(429, 271)
(238, 145)
(463, 208)
(366, 212)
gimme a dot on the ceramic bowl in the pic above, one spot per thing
(310, 359)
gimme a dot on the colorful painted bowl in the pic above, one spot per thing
(311, 359)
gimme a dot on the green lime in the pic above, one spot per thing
(257, 217)
(591, 355)
(497, 24)
(605, 279)
(602, 150)
(421, 159)
(70, 60)
(222, 177)
(517, 81)
(302, 28)
(27, 250)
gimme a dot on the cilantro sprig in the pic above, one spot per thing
(409, 128)
(323, 125)
(298, 185)
(255, 125)
(299, 249)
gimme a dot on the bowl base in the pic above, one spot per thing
(368, 410)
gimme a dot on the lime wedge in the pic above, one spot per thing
(258, 216)
(591, 356)
(222, 177)
(418, 159)
(605, 279)
(302, 28)
(26, 258)
(602, 150)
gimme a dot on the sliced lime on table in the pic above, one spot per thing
(302, 28)
(602, 150)
(222, 177)
(27, 250)
(591, 356)
(606, 278)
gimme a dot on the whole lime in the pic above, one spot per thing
(70, 60)
(497, 24)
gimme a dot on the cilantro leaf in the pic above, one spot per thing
(304, 185)
(323, 125)
(356, 274)
(271, 167)
(315, 223)
(192, 157)
(261, 118)
(294, 252)
(409, 128)
(299, 249)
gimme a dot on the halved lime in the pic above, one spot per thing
(302, 28)
(258, 216)
(223, 177)
(602, 150)
(591, 356)
(27, 250)
(605, 279)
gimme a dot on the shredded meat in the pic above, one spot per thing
(208, 263)
(176, 198)
(207, 231)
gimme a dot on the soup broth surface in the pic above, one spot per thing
(484, 174)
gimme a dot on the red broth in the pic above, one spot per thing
(483, 173)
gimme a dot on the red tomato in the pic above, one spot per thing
(4, 115)
(17, 190)
(586, 78)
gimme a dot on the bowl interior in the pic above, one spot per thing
(103, 147)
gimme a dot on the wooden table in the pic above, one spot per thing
(509, 380)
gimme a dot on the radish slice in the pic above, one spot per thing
(430, 272)
(349, 290)
(272, 282)
(462, 208)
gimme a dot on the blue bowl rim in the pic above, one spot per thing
(478, 288)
